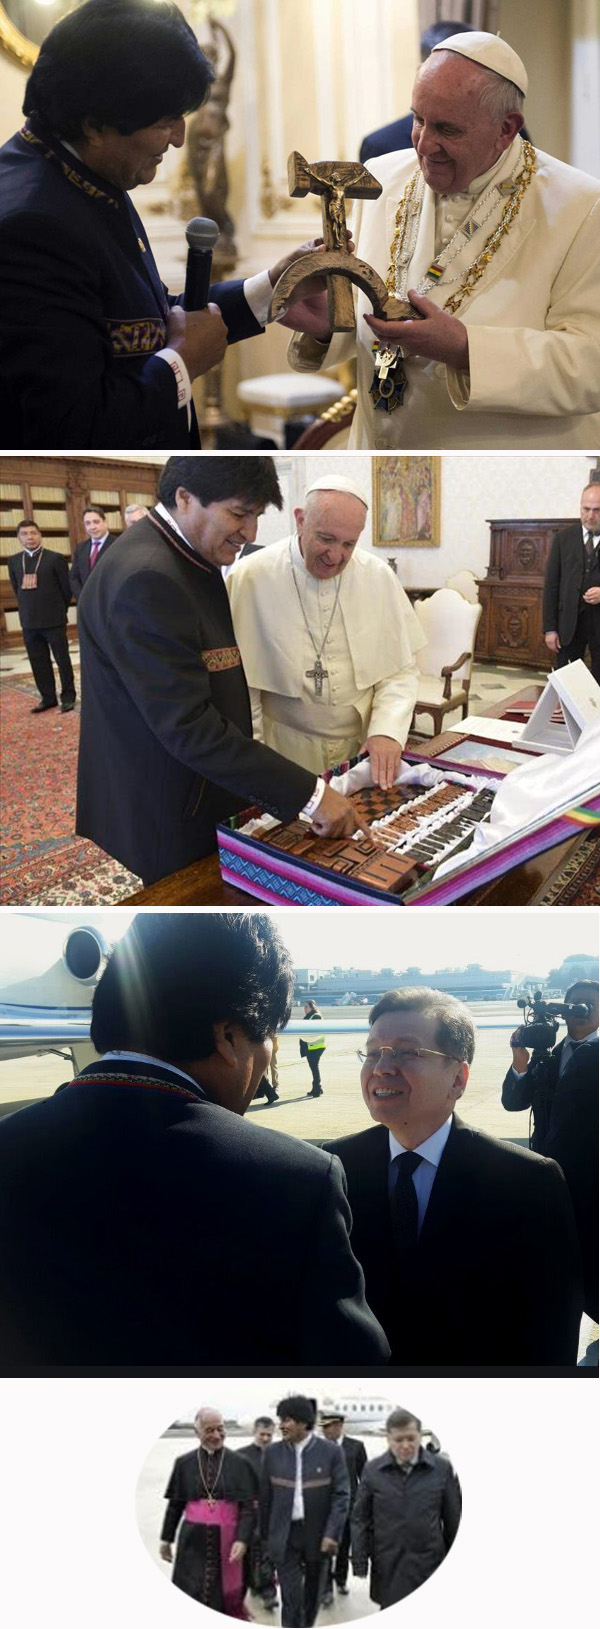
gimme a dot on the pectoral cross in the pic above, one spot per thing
(318, 673)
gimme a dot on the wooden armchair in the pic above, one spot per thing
(450, 625)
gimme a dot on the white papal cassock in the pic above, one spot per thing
(371, 683)
(533, 317)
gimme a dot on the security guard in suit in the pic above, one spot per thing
(571, 607)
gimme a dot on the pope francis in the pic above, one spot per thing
(497, 246)
(327, 638)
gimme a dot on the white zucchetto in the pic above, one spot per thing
(338, 483)
(491, 52)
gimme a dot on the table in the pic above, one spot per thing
(201, 884)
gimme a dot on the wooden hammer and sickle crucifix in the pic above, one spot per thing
(335, 181)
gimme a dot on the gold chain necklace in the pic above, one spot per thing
(490, 247)
(492, 244)
(210, 1492)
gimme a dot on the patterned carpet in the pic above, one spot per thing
(578, 881)
(41, 861)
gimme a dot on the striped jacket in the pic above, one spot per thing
(325, 1489)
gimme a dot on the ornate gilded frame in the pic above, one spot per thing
(15, 44)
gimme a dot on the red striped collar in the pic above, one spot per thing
(177, 543)
(101, 1077)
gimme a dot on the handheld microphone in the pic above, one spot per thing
(201, 235)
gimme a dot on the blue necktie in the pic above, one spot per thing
(403, 1204)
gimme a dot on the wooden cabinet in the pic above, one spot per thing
(510, 628)
(54, 492)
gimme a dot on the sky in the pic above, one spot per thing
(525, 940)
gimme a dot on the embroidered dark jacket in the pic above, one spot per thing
(132, 1214)
(325, 1492)
(46, 605)
(165, 747)
(83, 309)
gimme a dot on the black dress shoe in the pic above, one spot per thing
(67, 706)
(327, 1598)
(342, 1589)
(273, 1098)
(43, 706)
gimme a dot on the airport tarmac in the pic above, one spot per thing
(150, 1509)
(341, 1109)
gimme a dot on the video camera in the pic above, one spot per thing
(542, 1019)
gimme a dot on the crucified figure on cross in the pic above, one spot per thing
(333, 182)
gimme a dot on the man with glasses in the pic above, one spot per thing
(468, 1244)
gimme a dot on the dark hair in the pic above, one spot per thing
(455, 1030)
(297, 1408)
(437, 32)
(174, 975)
(399, 1419)
(94, 509)
(122, 63)
(23, 523)
(263, 1419)
(591, 987)
(214, 479)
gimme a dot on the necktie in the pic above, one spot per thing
(590, 547)
(404, 1206)
(94, 551)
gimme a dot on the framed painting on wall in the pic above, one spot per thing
(406, 502)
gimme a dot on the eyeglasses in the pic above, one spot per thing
(409, 1057)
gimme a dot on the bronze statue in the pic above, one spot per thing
(205, 146)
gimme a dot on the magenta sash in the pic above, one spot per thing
(224, 1515)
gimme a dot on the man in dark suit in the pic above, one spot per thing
(305, 1498)
(166, 745)
(94, 351)
(134, 1201)
(355, 1455)
(571, 605)
(531, 1082)
(262, 1578)
(572, 1136)
(468, 1245)
(87, 554)
(40, 583)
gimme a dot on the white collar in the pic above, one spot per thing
(431, 1149)
(165, 514)
(298, 559)
(98, 541)
(146, 1057)
(584, 1042)
(300, 1446)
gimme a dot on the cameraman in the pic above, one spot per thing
(572, 1138)
(531, 1084)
